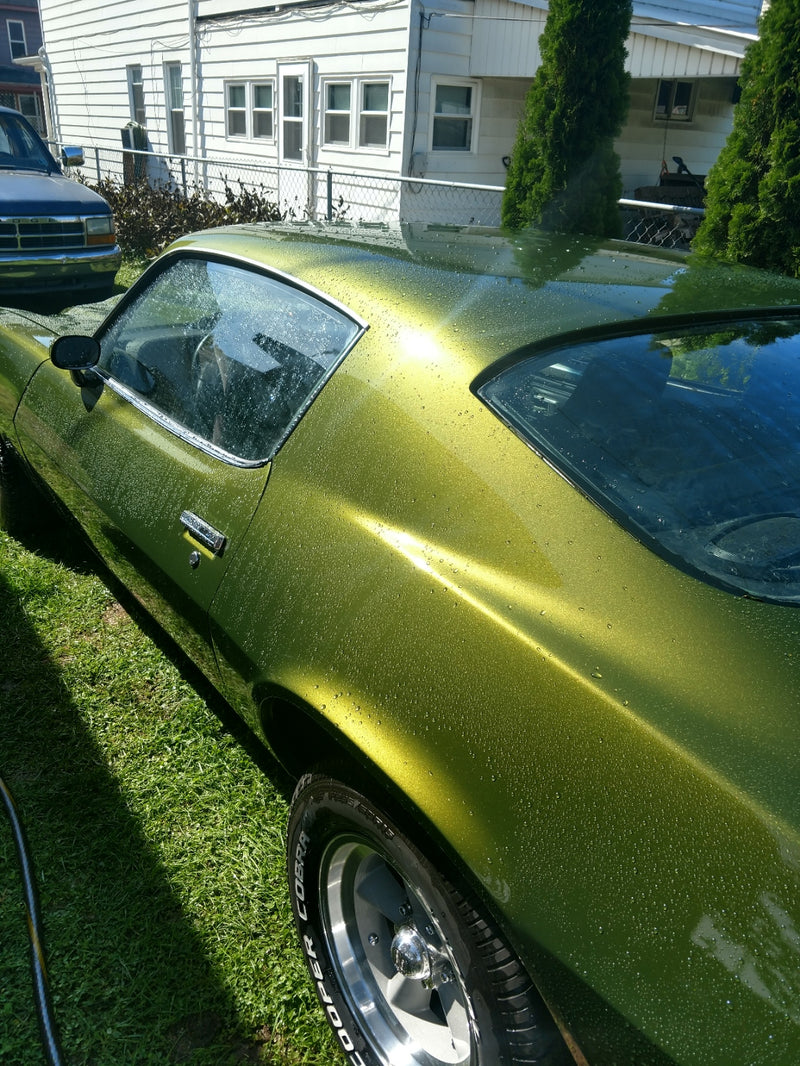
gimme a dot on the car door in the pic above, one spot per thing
(163, 451)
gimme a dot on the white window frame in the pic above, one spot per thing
(21, 39)
(471, 119)
(293, 127)
(669, 115)
(135, 75)
(357, 113)
(249, 109)
(174, 107)
(260, 83)
(236, 109)
(337, 113)
(364, 114)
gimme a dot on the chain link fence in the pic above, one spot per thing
(665, 225)
(313, 194)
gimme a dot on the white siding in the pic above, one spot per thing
(728, 16)
(506, 32)
(89, 45)
(645, 141)
(490, 44)
(362, 40)
(506, 39)
(737, 15)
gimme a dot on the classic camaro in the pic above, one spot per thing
(496, 543)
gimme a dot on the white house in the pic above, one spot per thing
(387, 88)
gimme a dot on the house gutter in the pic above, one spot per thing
(269, 9)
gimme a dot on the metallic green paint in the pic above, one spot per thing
(609, 745)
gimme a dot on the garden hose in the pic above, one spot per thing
(41, 988)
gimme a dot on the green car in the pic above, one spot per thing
(495, 542)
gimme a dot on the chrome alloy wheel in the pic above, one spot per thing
(392, 959)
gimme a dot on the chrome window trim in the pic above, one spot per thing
(170, 424)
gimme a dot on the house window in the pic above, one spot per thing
(30, 106)
(250, 110)
(373, 127)
(453, 116)
(356, 108)
(176, 129)
(136, 94)
(236, 111)
(264, 111)
(337, 112)
(16, 38)
(674, 101)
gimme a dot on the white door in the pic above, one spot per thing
(294, 141)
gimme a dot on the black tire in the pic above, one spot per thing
(405, 968)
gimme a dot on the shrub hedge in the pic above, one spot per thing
(149, 217)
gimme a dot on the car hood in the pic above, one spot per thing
(31, 193)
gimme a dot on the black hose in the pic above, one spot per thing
(41, 990)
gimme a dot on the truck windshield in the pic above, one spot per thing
(21, 148)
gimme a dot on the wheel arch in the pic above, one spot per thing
(304, 741)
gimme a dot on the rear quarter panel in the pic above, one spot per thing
(601, 739)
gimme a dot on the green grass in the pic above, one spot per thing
(157, 840)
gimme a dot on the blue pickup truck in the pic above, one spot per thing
(55, 233)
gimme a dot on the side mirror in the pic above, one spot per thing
(72, 157)
(76, 354)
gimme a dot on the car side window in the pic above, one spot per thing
(231, 355)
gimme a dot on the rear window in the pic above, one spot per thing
(690, 437)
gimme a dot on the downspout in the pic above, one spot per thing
(51, 118)
(193, 81)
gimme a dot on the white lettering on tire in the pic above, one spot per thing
(334, 1018)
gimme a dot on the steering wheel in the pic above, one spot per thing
(208, 372)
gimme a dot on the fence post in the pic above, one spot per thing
(97, 162)
(329, 181)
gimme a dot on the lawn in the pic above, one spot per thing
(157, 839)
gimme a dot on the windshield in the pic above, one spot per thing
(689, 437)
(21, 148)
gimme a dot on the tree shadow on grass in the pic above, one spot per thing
(121, 950)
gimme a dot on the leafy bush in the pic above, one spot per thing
(564, 173)
(149, 217)
(753, 203)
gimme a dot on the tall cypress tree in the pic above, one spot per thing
(564, 173)
(753, 202)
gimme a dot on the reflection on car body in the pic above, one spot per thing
(495, 542)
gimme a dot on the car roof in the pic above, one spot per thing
(491, 293)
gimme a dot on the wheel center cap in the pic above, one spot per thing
(410, 954)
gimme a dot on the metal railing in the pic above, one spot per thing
(308, 193)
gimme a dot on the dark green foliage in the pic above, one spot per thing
(753, 203)
(149, 217)
(564, 172)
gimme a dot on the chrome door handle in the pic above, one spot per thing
(203, 532)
